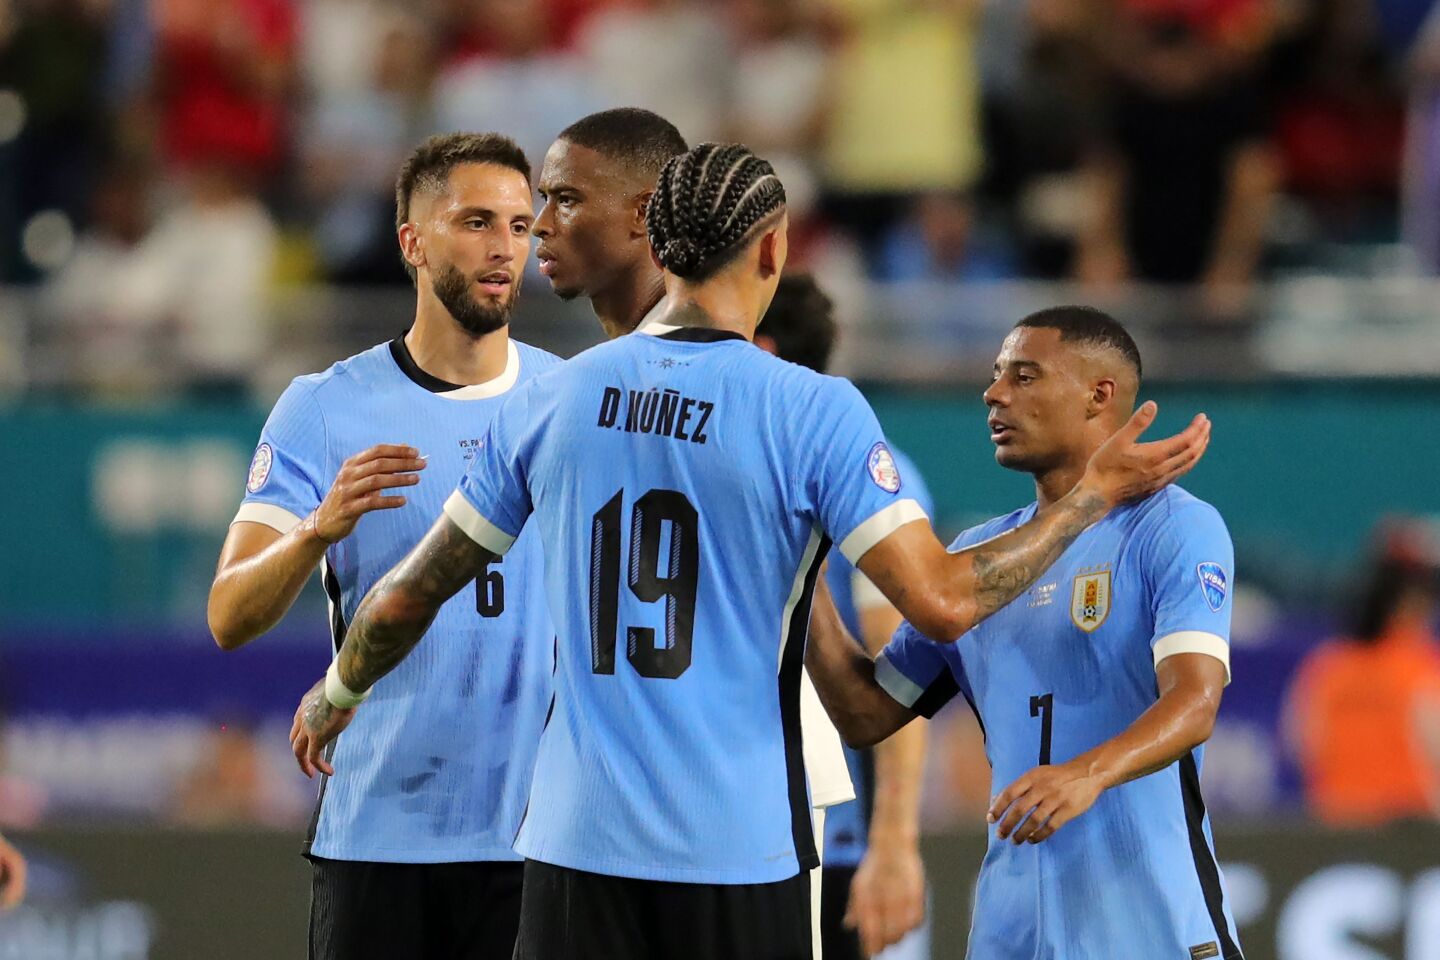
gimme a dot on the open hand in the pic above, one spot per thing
(1123, 469)
(360, 487)
(317, 722)
(1042, 801)
(887, 896)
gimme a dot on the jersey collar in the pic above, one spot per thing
(457, 391)
(650, 325)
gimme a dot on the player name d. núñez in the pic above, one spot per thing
(664, 413)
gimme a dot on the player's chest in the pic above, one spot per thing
(1087, 598)
(447, 433)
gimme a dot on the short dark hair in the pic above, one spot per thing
(1089, 325)
(640, 139)
(801, 321)
(428, 166)
(707, 201)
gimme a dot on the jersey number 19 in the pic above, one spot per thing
(649, 519)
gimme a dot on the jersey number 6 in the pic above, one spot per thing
(649, 518)
(490, 591)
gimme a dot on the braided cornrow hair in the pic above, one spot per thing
(706, 203)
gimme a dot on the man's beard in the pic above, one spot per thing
(452, 288)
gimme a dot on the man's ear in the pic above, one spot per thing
(412, 246)
(638, 226)
(767, 343)
(770, 263)
(1102, 396)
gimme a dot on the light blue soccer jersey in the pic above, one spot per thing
(847, 825)
(1070, 664)
(436, 766)
(686, 486)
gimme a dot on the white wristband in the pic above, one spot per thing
(339, 694)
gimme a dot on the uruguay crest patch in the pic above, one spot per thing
(1090, 600)
(1213, 584)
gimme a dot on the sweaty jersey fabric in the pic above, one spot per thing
(847, 825)
(686, 486)
(1065, 666)
(436, 766)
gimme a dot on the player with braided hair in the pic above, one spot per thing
(597, 182)
(706, 202)
(686, 488)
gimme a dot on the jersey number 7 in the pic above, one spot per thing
(648, 521)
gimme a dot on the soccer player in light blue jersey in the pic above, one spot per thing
(411, 841)
(686, 487)
(873, 888)
(1096, 687)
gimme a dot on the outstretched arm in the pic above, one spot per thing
(390, 622)
(844, 677)
(945, 594)
(1046, 798)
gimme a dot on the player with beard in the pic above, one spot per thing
(596, 184)
(411, 838)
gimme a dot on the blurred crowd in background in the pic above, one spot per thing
(167, 165)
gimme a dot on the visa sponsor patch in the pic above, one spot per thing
(260, 468)
(881, 464)
(1213, 584)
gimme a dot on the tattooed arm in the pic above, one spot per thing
(391, 620)
(944, 594)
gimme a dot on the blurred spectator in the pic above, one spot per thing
(516, 81)
(110, 347)
(1340, 121)
(939, 241)
(352, 146)
(225, 69)
(340, 43)
(201, 277)
(231, 785)
(1365, 710)
(782, 70)
(670, 56)
(1421, 206)
(1182, 183)
(908, 114)
(51, 57)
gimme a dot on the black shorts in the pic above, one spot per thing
(427, 911)
(837, 941)
(573, 915)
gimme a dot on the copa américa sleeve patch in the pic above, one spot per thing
(1213, 584)
(881, 464)
(260, 468)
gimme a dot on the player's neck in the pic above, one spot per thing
(1053, 484)
(621, 308)
(716, 306)
(445, 351)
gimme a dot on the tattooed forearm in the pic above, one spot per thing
(1004, 567)
(396, 612)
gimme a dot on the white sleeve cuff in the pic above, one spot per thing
(276, 518)
(1194, 641)
(885, 522)
(476, 526)
(905, 691)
